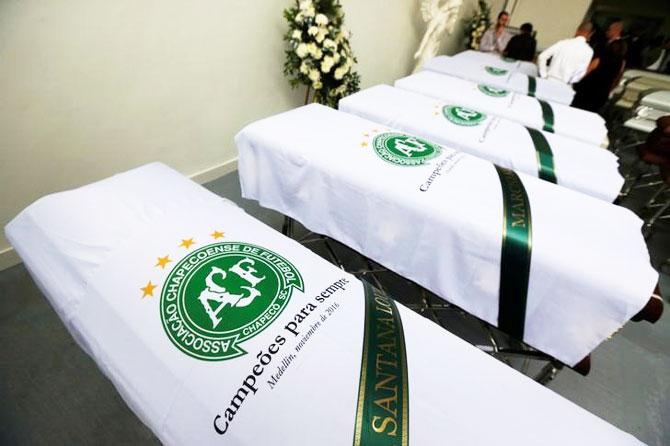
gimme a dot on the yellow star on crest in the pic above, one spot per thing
(364, 144)
(217, 235)
(186, 243)
(148, 290)
(162, 261)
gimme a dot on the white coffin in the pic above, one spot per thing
(440, 224)
(568, 121)
(502, 77)
(577, 165)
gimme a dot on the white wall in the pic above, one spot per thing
(89, 88)
(552, 19)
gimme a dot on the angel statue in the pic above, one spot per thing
(440, 16)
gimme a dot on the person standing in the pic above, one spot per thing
(636, 43)
(604, 71)
(523, 45)
(570, 58)
(496, 38)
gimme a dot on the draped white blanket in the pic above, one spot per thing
(482, 72)
(578, 165)
(91, 251)
(440, 225)
(495, 60)
(568, 121)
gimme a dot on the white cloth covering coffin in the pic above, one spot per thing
(90, 250)
(568, 121)
(577, 165)
(482, 72)
(495, 60)
(440, 225)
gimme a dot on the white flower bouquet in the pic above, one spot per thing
(319, 55)
(478, 25)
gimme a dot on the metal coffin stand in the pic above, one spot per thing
(529, 361)
(515, 353)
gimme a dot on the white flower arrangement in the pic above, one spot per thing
(478, 25)
(319, 55)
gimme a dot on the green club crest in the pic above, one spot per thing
(508, 59)
(495, 71)
(223, 294)
(493, 91)
(404, 150)
(462, 116)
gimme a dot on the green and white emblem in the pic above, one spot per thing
(404, 150)
(495, 71)
(462, 116)
(493, 91)
(223, 294)
(508, 59)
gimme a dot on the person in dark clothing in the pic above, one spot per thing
(522, 46)
(636, 43)
(592, 92)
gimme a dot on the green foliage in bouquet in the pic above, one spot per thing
(319, 55)
(478, 25)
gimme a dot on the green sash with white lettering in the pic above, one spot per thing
(515, 256)
(532, 86)
(382, 413)
(545, 157)
(547, 116)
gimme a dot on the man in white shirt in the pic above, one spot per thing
(570, 58)
(496, 38)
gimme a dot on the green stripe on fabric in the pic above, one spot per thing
(532, 86)
(547, 116)
(515, 256)
(382, 411)
(545, 157)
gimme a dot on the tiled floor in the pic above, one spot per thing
(52, 393)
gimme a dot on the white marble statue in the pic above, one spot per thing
(441, 16)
